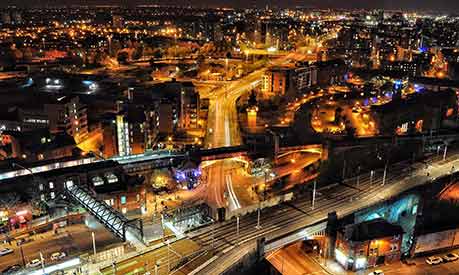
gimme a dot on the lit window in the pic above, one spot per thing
(40, 187)
(414, 210)
(53, 195)
(111, 178)
(42, 197)
(51, 185)
(97, 181)
(123, 199)
(124, 210)
(69, 183)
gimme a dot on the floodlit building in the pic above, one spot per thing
(367, 244)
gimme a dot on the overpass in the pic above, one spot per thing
(289, 222)
(308, 232)
(221, 153)
(114, 221)
(165, 158)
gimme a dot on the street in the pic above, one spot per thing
(165, 257)
(74, 240)
(288, 217)
(292, 260)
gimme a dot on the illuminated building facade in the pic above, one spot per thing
(275, 81)
(367, 244)
(76, 119)
(137, 129)
(122, 134)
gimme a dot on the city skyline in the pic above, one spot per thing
(164, 139)
(410, 5)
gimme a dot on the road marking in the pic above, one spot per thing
(231, 194)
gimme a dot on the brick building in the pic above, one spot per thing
(367, 244)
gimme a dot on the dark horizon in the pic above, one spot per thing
(422, 5)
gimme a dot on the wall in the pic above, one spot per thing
(436, 241)
(252, 208)
(401, 211)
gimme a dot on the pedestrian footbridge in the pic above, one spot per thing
(117, 223)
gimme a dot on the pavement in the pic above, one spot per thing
(293, 260)
(223, 130)
(73, 240)
(166, 257)
(417, 266)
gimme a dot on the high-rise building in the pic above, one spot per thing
(117, 21)
(6, 18)
(76, 119)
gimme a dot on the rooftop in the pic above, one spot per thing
(370, 230)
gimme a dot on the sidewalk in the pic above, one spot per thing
(37, 224)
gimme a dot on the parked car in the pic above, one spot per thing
(59, 272)
(22, 241)
(377, 272)
(11, 269)
(434, 260)
(58, 256)
(34, 263)
(6, 251)
(451, 257)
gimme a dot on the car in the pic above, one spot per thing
(11, 269)
(377, 272)
(434, 260)
(450, 257)
(6, 251)
(59, 272)
(58, 256)
(22, 241)
(34, 263)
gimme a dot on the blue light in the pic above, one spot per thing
(423, 49)
(398, 84)
(87, 82)
(196, 173)
(28, 83)
(418, 89)
(365, 102)
(374, 99)
(180, 175)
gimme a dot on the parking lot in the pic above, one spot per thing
(420, 267)
(73, 240)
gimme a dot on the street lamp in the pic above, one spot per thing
(42, 262)
(237, 230)
(94, 244)
(158, 262)
(314, 194)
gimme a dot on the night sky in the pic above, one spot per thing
(441, 5)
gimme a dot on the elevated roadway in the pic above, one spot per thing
(230, 245)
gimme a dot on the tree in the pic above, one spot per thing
(9, 200)
(338, 115)
(99, 58)
(200, 59)
(143, 75)
(27, 54)
(115, 48)
(158, 53)
(350, 130)
(252, 99)
(122, 57)
(138, 52)
(7, 59)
